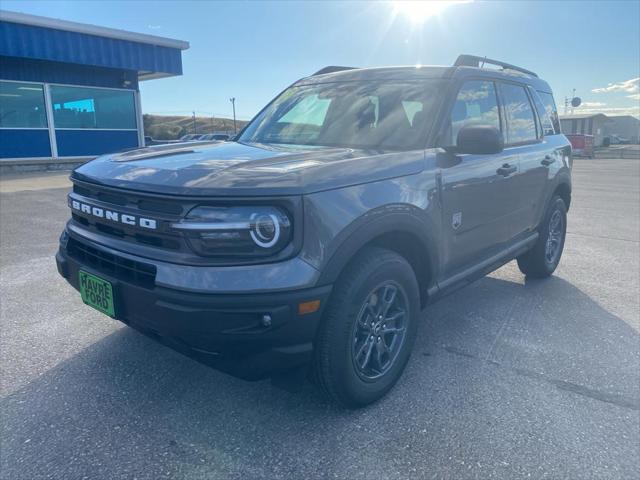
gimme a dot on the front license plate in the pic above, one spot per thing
(97, 293)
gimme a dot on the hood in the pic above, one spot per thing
(231, 169)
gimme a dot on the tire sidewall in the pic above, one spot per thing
(363, 391)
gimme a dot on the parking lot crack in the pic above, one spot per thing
(604, 237)
(613, 398)
(619, 400)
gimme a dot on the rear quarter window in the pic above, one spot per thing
(550, 107)
(545, 119)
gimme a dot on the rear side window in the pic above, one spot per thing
(551, 109)
(476, 103)
(521, 123)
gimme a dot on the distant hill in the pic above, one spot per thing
(167, 127)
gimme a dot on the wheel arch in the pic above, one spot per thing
(563, 190)
(403, 233)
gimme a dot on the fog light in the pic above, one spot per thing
(266, 320)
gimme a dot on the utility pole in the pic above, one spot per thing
(233, 102)
(193, 115)
(568, 102)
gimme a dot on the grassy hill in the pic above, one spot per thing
(166, 127)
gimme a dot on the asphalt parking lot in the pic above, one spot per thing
(509, 378)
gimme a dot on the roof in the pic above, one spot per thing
(584, 115)
(57, 24)
(378, 73)
(42, 38)
(620, 117)
(422, 72)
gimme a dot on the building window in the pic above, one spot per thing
(22, 105)
(93, 108)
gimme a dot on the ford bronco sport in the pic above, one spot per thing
(310, 244)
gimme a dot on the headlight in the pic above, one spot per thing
(236, 231)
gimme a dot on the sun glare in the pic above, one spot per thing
(418, 11)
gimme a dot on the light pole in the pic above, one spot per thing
(233, 103)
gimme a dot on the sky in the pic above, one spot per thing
(252, 50)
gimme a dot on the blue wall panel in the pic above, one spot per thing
(28, 41)
(24, 143)
(79, 143)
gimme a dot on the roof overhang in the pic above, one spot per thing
(583, 116)
(42, 38)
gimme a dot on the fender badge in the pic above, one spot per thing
(456, 220)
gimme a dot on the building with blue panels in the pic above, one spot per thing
(69, 91)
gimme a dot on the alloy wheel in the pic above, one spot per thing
(554, 238)
(379, 330)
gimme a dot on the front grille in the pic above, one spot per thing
(131, 271)
(126, 199)
(164, 211)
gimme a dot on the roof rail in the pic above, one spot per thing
(474, 61)
(331, 69)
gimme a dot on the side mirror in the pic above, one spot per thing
(479, 140)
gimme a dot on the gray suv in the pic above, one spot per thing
(309, 245)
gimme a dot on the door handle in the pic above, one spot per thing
(506, 170)
(548, 160)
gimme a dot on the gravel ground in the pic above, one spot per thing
(509, 378)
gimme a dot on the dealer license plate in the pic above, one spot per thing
(97, 293)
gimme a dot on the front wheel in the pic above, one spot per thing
(542, 260)
(369, 328)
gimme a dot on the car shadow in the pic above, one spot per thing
(127, 406)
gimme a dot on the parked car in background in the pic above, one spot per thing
(618, 140)
(149, 141)
(189, 137)
(215, 136)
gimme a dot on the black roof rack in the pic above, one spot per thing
(474, 61)
(331, 69)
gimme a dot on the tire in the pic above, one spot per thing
(539, 262)
(363, 293)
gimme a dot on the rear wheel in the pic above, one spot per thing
(542, 260)
(369, 328)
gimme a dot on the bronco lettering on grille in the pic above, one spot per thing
(113, 216)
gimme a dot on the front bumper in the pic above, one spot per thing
(225, 331)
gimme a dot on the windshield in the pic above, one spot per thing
(372, 115)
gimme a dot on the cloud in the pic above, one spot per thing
(629, 86)
(591, 104)
(635, 96)
(633, 110)
(154, 27)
